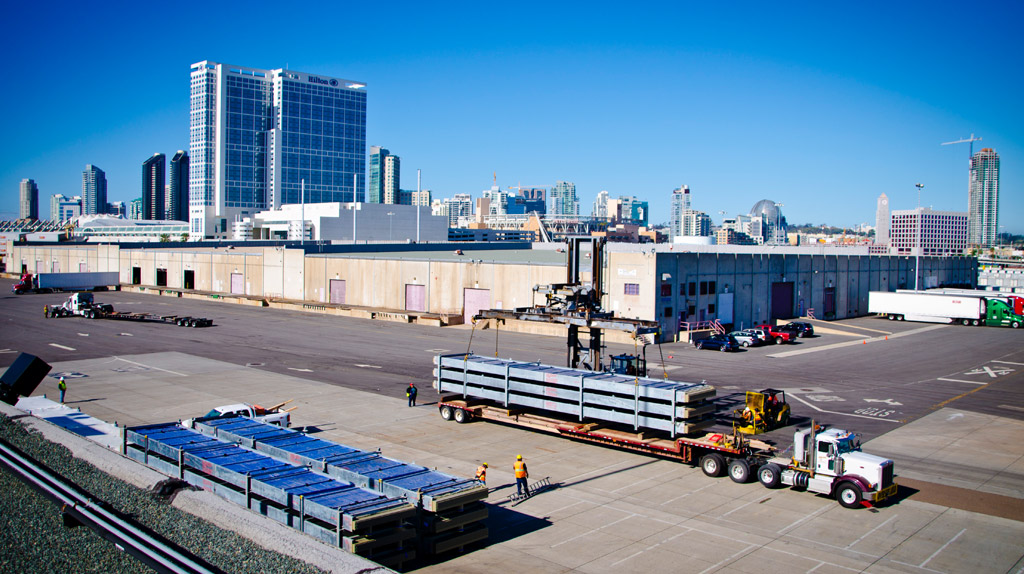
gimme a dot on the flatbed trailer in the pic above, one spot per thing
(82, 305)
(829, 461)
(179, 320)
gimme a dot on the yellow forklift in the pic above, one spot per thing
(764, 411)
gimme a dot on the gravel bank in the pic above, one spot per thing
(36, 541)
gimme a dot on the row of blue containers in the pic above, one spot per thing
(360, 520)
(428, 489)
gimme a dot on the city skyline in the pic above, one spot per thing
(767, 102)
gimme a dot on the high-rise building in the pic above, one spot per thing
(375, 190)
(498, 200)
(563, 199)
(882, 221)
(601, 206)
(94, 190)
(922, 231)
(153, 176)
(455, 207)
(258, 137)
(135, 209)
(29, 199)
(983, 199)
(177, 198)
(680, 204)
(392, 178)
(63, 208)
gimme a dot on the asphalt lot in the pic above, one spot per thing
(865, 374)
(943, 401)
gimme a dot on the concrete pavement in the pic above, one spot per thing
(615, 511)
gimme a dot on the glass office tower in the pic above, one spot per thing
(257, 135)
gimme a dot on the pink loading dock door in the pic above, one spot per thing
(473, 301)
(338, 291)
(237, 284)
(416, 298)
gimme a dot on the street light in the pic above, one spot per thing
(391, 219)
(920, 232)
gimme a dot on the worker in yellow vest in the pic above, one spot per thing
(521, 475)
(481, 473)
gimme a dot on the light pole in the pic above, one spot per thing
(391, 219)
(920, 232)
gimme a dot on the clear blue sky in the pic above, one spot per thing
(819, 106)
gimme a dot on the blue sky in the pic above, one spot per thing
(819, 106)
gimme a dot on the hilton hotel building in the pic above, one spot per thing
(256, 135)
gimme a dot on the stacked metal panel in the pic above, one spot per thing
(360, 520)
(452, 508)
(642, 403)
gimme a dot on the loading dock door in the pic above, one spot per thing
(337, 289)
(237, 284)
(136, 275)
(416, 298)
(782, 300)
(473, 301)
(189, 281)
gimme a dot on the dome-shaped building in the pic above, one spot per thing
(772, 222)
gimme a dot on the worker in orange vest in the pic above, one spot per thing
(481, 473)
(521, 475)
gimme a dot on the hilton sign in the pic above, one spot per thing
(322, 82)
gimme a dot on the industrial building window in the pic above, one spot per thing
(693, 289)
(668, 312)
(632, 289)
(666, 290)
(703, 287)
(711, 308)
(712, 288)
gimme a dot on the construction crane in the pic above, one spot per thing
(969, 140)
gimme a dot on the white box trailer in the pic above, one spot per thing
(927, 307)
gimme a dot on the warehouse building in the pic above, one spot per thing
(685, 288)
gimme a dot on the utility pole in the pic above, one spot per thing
(920, 233)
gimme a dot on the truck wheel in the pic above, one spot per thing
(966, 322)
(783, 419)
(1015, 324)
(739, 471)
(712, 464)
(461, 416)
(779, 340)
(975, 322)
(770, 475)
(446, 412)
(891, 317)
(849, 495)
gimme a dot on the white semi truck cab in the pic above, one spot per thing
(831, 462)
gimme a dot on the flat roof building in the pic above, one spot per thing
(923, 231)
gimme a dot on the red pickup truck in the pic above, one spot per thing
(778, 336)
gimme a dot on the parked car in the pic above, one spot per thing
(803, 329)
(778, 336)
(747, 338)
(718, 342)
(763, 334)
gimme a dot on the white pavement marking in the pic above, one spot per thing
(1012, 407)
(734, 555)
(653, 546)
(936, 553)
(151, 367)
(1008, 363)
(63, 347)
(300, 370)
(960, 381)
(83, 334)
(671, 500)
(581, 535)
(785, 529)
(125, 335)
(435, 351)
(7, 351)
(868, 533)
(820, 410)
(858, 342)
(367, 366)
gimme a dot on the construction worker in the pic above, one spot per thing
(63, 388)
(521, 475)
(46, 310)
(481, 473)
(410, 393)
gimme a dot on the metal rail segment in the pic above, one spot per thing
(148, 547)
